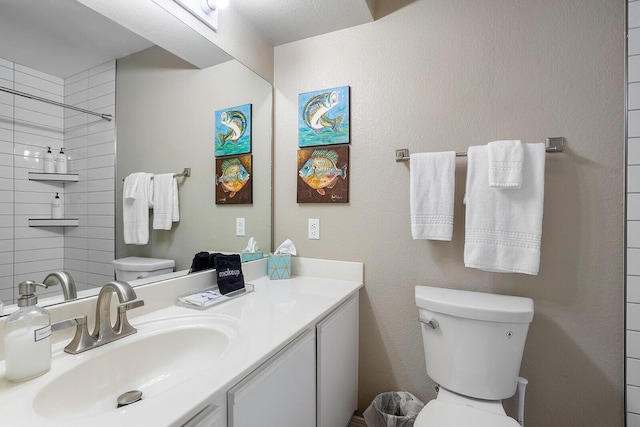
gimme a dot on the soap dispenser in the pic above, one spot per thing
(56, 208)
(49, 162)
(61, 162)
(27, 342)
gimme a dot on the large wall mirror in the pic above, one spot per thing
(164, 121)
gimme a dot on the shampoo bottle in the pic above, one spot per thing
(27, 342)
(49, 162)
(61, 162)
(56, 208)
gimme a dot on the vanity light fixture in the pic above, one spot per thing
(205, 10)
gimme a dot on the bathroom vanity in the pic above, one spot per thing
(283, 355)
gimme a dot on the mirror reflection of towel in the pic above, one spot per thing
(203, 261)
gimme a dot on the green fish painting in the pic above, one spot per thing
(237, 124)
(315, 112)
(323, 117)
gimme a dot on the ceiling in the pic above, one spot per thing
(62, 37)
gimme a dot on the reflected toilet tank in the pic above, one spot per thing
(132, 268)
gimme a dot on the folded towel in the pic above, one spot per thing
(504, 228)
(505, 164)
(137, 195)
(229, 273)
(165, 201)
(203, 261)
(432, 183)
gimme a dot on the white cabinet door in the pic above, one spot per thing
(280, 393)
(337, 338)
(213, 415)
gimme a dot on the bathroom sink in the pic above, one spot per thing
(163, 354)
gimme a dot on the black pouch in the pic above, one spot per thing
(229, 273)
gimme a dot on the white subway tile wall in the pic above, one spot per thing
(27, 127)
(633, 217)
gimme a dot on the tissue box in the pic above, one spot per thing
(279, 266)
(251, 256)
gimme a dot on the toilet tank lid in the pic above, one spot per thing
(134, 263)
(475, 305)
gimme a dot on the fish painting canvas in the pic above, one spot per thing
(323, 117)
(323, 175)
(233, 180)
(233, 131)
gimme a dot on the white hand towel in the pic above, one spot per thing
(504, 228)
(505, 164)
(137, 193)
(432, 184)
(165, 201)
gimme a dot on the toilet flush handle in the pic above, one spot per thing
(433, 324)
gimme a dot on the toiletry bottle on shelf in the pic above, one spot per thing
(56, 208)
(49, 162)
(61, 162)
(27, 346)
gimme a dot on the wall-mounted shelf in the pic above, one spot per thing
(53, 177)
(50, 222)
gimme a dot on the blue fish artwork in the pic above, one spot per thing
(233, 131)
(323, 117)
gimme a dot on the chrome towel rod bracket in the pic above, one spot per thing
(554, 144)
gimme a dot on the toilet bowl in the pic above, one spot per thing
(473, 345)
(132, 268)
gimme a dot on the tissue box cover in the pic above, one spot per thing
(279, 266)
(251, 256)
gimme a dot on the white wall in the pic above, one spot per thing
(27, 127)
(436, 75)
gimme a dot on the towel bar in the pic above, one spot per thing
(552, 144)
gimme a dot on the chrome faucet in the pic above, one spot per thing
(103, 332)
(65, 280)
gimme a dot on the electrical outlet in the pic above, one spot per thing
(314, 229)
(239, 226)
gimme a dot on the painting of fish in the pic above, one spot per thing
(233, 180)
(323, 117)
(322, 175)
(233, 131)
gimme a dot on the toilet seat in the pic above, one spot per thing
(445, 414)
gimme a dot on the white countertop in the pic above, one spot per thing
(265, 320)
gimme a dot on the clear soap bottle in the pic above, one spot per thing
(27, 342)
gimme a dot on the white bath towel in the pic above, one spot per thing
(432, 184)
(504, 228)
(137, 195)
(166, 208)
(505, 164)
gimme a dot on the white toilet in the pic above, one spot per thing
(133, 267)
(473, 345)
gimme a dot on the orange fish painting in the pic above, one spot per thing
(323, 175)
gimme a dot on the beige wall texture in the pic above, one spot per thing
(438, 75)
(165, 116)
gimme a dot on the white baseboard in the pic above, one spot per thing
(357, 422)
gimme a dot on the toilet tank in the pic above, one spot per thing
(478, 341)
(132, 268)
